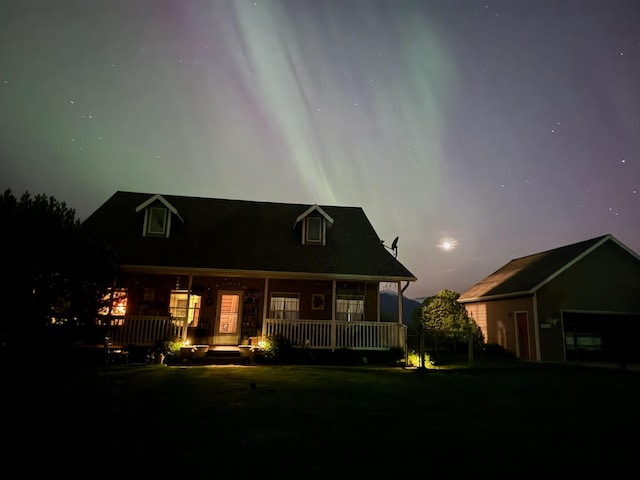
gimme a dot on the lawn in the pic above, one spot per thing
(285, 421)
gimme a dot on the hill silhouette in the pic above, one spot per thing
(389, 307)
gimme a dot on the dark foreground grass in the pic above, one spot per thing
(323, 422)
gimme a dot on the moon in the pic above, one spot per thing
(448, 244)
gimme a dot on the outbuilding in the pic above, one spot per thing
(579, 302)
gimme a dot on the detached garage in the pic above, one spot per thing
(579, 302)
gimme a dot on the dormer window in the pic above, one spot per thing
(157, 221)
(157, 217)
(315, 222)
(314, 230)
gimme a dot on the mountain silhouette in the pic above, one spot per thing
(389, 307)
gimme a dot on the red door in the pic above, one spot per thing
(522, 323)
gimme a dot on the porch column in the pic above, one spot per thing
(185, 321)
(400, 302)
(333, 315)
(401, 341)
(265, 304)
(378, 302)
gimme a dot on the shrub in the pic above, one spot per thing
(276, 349)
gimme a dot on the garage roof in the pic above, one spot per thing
(525, 275)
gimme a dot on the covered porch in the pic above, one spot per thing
(146, 330)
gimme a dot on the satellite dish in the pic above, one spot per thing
(393, 247)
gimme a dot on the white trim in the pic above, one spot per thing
(536, 324)
(334, 293)
(573, 262)
(563, 333)
(501, 296)
(312, 208)
(400, 303)
(162, 200)
(306, 229)
(265, 306)
(148, 217)
(557, 272)
(260, 273)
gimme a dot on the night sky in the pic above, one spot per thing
(505, 127)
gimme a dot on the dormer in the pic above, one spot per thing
(157, 217)
(315, 222)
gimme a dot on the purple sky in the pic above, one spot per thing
(509, 127)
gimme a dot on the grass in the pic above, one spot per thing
(324, 421)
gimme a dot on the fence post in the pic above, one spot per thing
(470, 337)
(422, 348)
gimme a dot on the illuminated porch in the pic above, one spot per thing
(146, 330)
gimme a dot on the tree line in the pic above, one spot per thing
(54, 274)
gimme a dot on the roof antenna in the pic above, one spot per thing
(394, 247)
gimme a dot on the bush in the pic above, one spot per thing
(276, 349)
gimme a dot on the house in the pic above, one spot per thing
(228, 273)
(579, 302)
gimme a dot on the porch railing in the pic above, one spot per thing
(326, 334)
(145, 330)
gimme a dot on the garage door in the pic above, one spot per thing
(601, 337)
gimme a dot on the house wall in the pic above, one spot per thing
(148, 294)
(371, 302)
(496, 319)
(306, 290)
(607, 280)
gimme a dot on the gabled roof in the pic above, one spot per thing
(313, 208)
(158, 198)
(525, 275)
(246, 237)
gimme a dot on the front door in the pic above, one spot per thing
(228, 315)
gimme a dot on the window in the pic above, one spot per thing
(157, 221)
(314, 229)
(350, 308)
(113, 306)
(285, 306)
(179, 309)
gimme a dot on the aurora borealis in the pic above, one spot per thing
(504, 128)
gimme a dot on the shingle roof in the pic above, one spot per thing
(239, 235)
(527, 274)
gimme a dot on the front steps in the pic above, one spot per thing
(216, 355)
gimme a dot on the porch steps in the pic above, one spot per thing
(221, 355)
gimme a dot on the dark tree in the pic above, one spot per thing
(53, 273)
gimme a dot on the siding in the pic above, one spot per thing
(496, 318)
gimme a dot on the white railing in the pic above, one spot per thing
(326, 334)
(145, 330)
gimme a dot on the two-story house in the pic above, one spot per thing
(223, 272)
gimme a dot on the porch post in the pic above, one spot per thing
(399, 302)
(333, 316)
(265, 304)
(400, 340)
(185, 321)
(378, 302)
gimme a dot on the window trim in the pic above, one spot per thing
(314, 225)
(189, 311)
(284, 314)
(153, 214)
(347, 314)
